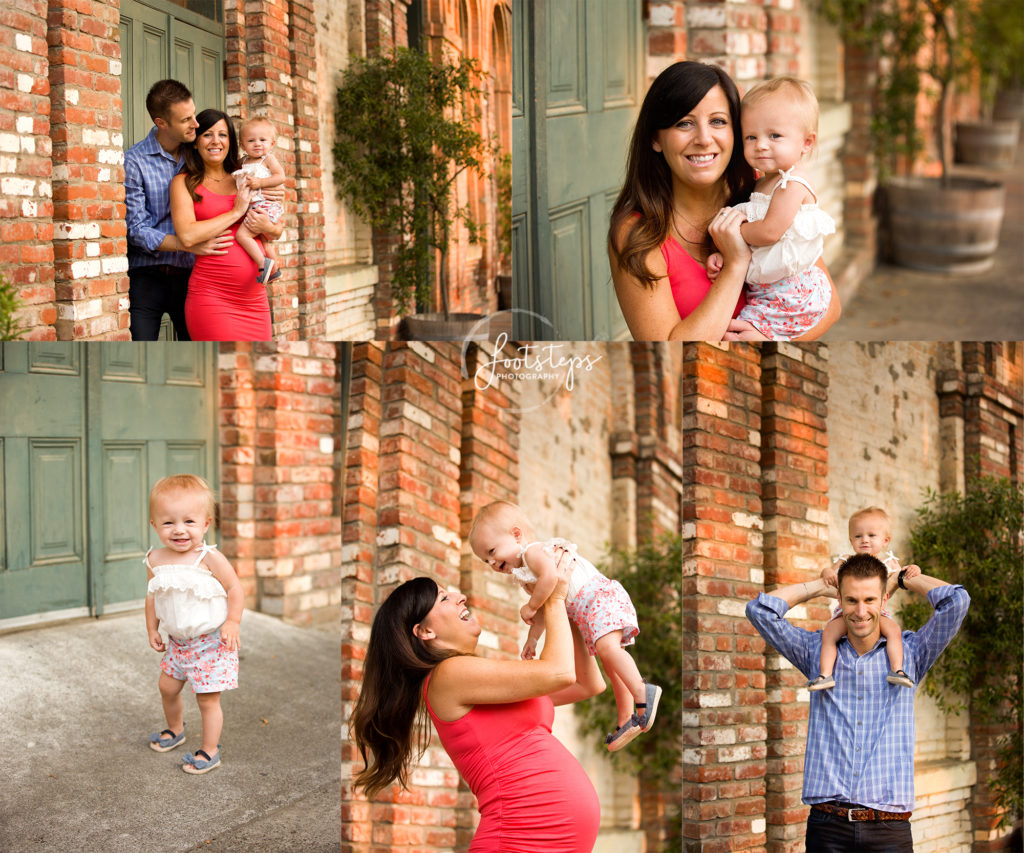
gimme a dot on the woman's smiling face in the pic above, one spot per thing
(449, 623)
(698, 147)
(213, 143)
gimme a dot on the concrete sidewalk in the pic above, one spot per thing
(78, 700)
(899, 304)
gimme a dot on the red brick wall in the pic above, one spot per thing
(62, 232)
(279, 412)
(794, 470)
(26, 208)
(724, 718)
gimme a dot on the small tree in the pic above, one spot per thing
(975, 540)
(653, 576)
(909, 39)
(10, 329)
(401, 143)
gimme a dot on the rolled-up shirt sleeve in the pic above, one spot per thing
(800, 647)
(142, 232)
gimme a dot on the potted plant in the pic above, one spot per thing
(997, 28)
(923, 47)
(401, 144)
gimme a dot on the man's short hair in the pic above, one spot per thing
(863, 566)
(162, 95)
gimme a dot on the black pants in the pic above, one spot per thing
(829, 833)
(153, 292)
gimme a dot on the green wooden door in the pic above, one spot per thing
(574, 103)
(85, 430)
(160, 41)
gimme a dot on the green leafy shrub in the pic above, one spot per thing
(10, 329)
(402, 140)
(975, 539)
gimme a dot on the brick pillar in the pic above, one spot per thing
(89, 233)
(783, 38)
(26, 208)
(794, 390)
(993, 409)
(402, 521)
(658, 469)
(271, 62)
(358, 558)
(279, 410)
(723, 665)
(860, 71)
(666, 35)
(731, 35)
(238, 463)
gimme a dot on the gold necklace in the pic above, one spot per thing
(675, 226)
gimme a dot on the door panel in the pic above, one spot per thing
(85, 430)
(584, 88)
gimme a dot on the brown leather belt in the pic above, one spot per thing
(859, 813)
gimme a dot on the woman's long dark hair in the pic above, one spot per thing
(396, 664)
(647, 189)
(194, 167)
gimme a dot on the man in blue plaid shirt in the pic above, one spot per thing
(859, 763)
(158, 265)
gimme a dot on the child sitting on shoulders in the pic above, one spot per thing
(869, 534)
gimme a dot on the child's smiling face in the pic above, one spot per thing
(498, 546)
(774, 135)
(869, 534)
(181, 519)
(258, 139)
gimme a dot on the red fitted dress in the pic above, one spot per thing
(224, 302)
(532, 793)
(688, 279)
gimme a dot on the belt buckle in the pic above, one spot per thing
(852, 819)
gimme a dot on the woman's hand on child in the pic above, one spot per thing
(156, 642)
(229, 636)
(742, 330)
(242, 198)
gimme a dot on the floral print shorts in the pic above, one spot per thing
(202, 661)
(603, 606)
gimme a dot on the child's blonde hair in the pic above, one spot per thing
(505, 513)
(871, 510)
(185, 483)
(250, 122)
(798, 91)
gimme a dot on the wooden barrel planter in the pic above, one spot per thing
(1009, 105)
(950, 229)
(454, 327)
(991, 143)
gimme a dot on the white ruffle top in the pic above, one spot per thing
(797, 249)
(189, 600)
(583, 571)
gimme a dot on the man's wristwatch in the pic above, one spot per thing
(899, 578)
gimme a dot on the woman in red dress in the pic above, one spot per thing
(224, 301)
(493, 717)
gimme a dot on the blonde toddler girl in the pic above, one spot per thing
(196, 598)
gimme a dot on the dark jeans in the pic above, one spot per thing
(152, 292)
(829, 833)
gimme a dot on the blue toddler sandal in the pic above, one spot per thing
(650, 707)
(166, 740)
(195, 765)
(623, 734)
